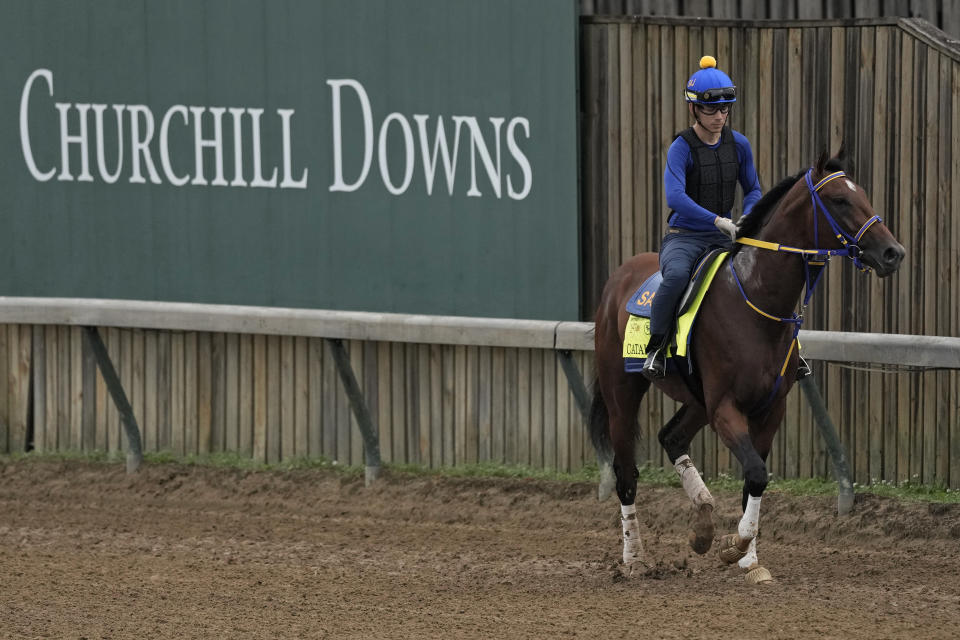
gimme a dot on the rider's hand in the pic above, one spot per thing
(727, 226)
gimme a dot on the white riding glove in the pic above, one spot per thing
(727, 226)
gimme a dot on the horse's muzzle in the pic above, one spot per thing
(885, 260)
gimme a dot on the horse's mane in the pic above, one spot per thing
(760, 214)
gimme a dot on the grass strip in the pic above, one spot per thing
(650, 476)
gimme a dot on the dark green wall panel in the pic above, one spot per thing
(302, 246)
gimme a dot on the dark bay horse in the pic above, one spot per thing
(743, 347)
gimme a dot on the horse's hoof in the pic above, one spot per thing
(758, 575)
(701, 538)
(732, 548)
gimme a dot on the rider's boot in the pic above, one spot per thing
(803, 369)
(656, 363)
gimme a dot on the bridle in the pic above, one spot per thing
(850, 248)
(814, 262)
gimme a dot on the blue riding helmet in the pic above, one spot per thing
(709, 85)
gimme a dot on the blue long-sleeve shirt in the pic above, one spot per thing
(687, 213)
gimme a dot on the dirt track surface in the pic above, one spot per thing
(188, 552)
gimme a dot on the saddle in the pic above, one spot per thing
(640, 304)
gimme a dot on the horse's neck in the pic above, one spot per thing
(774, 280)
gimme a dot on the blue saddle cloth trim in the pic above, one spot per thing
(639, 303)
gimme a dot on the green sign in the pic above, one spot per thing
(411, 156)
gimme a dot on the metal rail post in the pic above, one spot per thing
(371, 443)
(134, 448)
(841, 470)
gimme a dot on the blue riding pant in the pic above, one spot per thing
(679, 253)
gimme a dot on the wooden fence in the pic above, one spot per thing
(275, 397)
(891, 90)
(944, 14)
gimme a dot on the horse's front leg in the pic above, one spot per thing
(733, 429)
(675, 438)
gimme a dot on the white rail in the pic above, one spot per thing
(909, 350)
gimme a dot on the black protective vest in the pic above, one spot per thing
(712, 182)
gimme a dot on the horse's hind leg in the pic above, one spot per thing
(675, 437)
(622, 393)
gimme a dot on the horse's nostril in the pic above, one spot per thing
(893, 255)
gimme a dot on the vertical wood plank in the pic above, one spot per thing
(50, 430)
(398, 402)
(218, 392)
(6, 347)
(537, 384)
(472, 427)
(625, 139)
(905, 183)
(384, 401)
(561, 430)
(460, 405)
(484, 398)
(330, 386)
(612, 136)
(497, 405)
(302, 398)
(511, 398)
(231, 393)
(424, 405)
(260, 393)
(151, 367)
(39, 344)
(273, 425)
(450, 413)
(246, 396)
(411, 379)
(641, 139)
(947, 270)
(164, 393)
(437, 392)
(204, 393)
(954, 148)
(178, 437)
(930, 267)
(287, 425)
(524, 406)
(190, 389)
(75, 371)
(316, 395)
(20, 402)
(64, 392)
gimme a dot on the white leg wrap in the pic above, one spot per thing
(692, 482)
(632, 547)
(750, 559)
(750, 522)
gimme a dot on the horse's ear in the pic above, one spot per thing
(821, 166)
(841, 156)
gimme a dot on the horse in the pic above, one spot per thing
(743, 348)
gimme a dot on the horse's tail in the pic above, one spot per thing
(600, 425)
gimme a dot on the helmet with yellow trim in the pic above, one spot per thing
(709, 85)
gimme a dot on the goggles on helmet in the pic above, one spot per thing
(722, 94)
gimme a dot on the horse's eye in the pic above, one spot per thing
(839, 201)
